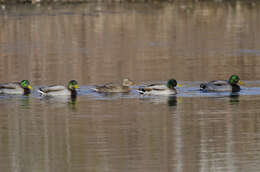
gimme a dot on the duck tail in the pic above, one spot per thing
(95, 89)
(141, 90)
(42, 93)
(203, 86)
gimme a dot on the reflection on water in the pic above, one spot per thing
(60, 100)
(172, 101)
(234, 98)
(98, 43)
(163, 100)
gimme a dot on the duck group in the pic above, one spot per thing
(24, 88)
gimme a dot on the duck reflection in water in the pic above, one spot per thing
(111, 95)
(73, 102)
(171, 101)
(234, 98)
(61, 101)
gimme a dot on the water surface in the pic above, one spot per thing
(95, 43)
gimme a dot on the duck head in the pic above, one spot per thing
(172, 83)
(234, 79)
(73, 85)
(25, 84)
(127, 82)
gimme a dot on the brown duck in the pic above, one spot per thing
(115, 88)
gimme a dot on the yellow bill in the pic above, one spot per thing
(30, 87)
(179, 85)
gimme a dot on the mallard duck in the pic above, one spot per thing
(160, 89)
(22, 87)
(59, 90)
(231, 85)
(115, 88)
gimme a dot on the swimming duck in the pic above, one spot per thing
(160, 89)
(59, 90)
(22, 87)
(222, 85)
(115, 88)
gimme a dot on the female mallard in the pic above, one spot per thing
(22, 87)
(222, 85)
(59, 90)
(115, 88)
(160, 89)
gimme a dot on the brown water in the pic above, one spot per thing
(96, 43)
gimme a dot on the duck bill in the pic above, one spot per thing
(30, 87)
(240, 82)
(179, 85)
(72, 87)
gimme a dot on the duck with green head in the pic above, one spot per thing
(115, 88)
(160, 89)
(60, 90)
(231, 85)
(22, 87)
